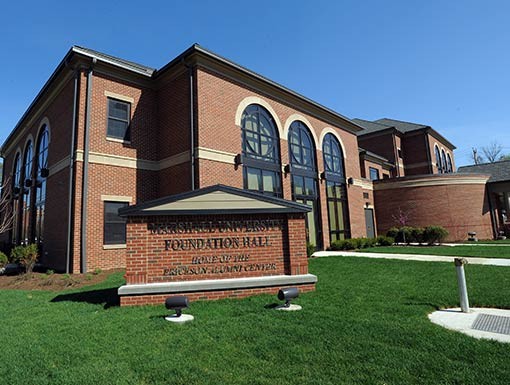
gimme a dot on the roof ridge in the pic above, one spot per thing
(486, 163)
(403, 121)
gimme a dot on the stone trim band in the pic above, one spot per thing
(217, 284)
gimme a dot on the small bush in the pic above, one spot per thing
(417, 235)
(434, 234)
(393, 232)
(3, 259)
(17, 253)
(27, 256)
(365, 243)
(310, 249)
(385, 241)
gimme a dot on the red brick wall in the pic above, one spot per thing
(460, 208)
(218, 99)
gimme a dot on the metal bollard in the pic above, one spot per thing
(461, 279)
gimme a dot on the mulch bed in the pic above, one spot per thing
(53, 282)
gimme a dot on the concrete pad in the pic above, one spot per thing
(455, 319)
(181, 319)
(415, 257)
(291, 307)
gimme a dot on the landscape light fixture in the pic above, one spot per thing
(288, 295)
(178, 303)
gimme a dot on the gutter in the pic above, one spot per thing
(71, 176)
(85, 180)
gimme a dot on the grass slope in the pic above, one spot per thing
(456, 251)
(366, 324)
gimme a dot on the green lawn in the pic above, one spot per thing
(456, 251)
(366, 324)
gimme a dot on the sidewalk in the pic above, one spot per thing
(414, 257)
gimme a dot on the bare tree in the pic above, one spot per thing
(6, 211)
(477, 159)
(492, 152)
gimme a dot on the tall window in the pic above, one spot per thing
(261, 154)
(336, 191)
(304, 178)
(439, 165)
(16, 197)
(449, 163)
(40, 183)
(118, 120)
(114, 225)
(443, 162)
(26, 199)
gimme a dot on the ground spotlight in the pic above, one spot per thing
(288, 295)
(178, 303)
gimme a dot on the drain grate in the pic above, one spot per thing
(492, 323)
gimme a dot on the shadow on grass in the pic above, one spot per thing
(108, 297)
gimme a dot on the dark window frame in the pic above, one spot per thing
(127, 134)
(335, 178)
(305, 169)
(41, 159)
(106, 239)
(258, 161)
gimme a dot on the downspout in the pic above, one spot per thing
(85, 181)
(494, 220)
(192, 123)
(71, 176)
(427, 147)
(395, 154)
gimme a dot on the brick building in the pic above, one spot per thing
(104, 133)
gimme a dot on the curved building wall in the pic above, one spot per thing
(456, 202)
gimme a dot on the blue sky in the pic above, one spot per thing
(441, 63)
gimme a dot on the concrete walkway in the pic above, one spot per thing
(477, 244)
(414, 257)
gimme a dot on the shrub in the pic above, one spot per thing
(310, 249)
(26, 256)
(417, 235)
(17, 253)
(366, 243)
(393, 232)
(3, 259)
(434, 234)
(344, 244)
(385, 241)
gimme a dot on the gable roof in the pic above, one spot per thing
(401, 126)
(369, 127)
(218, 199)
(499, 171)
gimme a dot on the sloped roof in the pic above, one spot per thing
(218, 199)
(369, 127)
(401, 125)
(499, 171)
(126, 64)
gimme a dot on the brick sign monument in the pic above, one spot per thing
(212, 243)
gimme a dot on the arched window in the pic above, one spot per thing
(443, 162)
(40, 183)
(304, 178)
(336, 191)
(261, 151)
(449, 163)
(16, 196)
(26, 190)
(438, 160)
